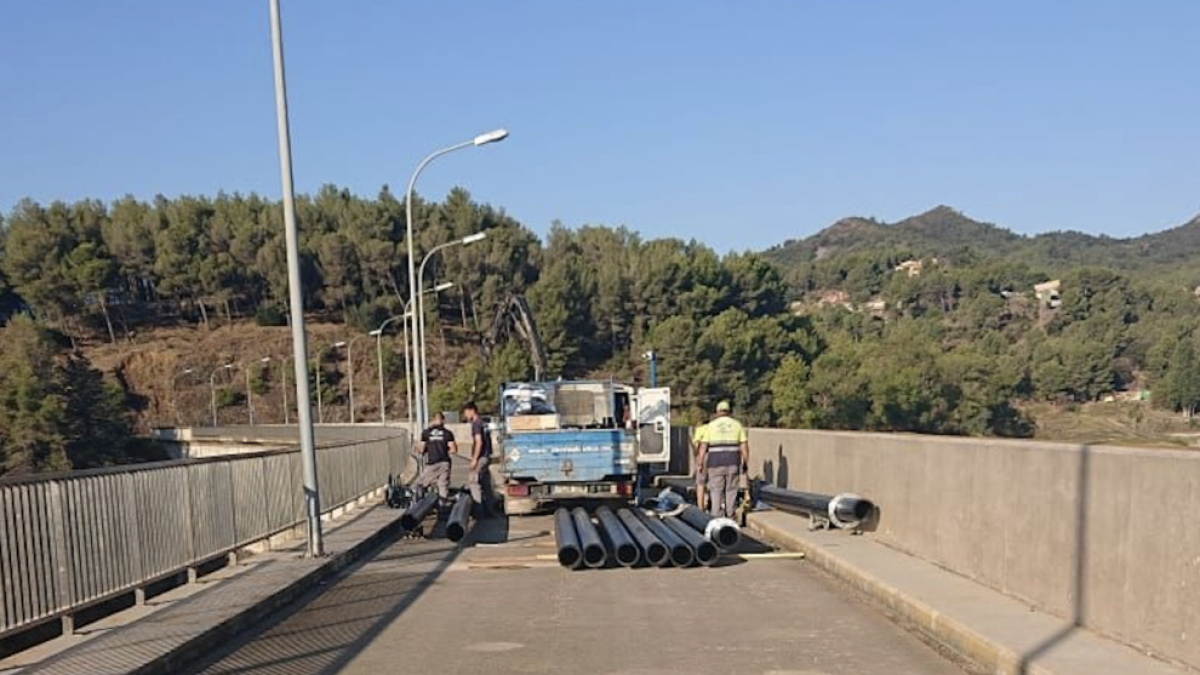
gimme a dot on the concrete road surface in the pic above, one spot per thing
(502, 605)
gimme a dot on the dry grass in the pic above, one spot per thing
(1135, 424)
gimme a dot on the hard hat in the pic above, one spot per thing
(723, 406)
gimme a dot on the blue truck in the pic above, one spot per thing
(578, 440)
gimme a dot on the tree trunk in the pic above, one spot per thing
(203, 314)
(228, 314)
(112, 336)
(65, 324)
(124, 318)
(474, 314)
(395, 285)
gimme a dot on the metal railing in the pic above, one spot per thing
(71, 540)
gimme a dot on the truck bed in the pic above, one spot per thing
(578, 455)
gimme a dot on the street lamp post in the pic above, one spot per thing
(406, 316)
(212, 389)
(482, 139)
(423, 374)
(350, 370)
(175, 408)
(250, 392)
(308, 448)
(283, 366)
(378, 335)
(320, 353)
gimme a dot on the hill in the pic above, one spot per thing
(944, 232)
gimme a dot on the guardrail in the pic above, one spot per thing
(69, 541)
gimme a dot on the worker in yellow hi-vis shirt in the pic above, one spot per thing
(701, 487)
(724, 450)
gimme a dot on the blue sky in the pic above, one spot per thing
(740, 124)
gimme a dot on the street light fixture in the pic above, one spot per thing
(320, 353)
(212, 389)
(174, 408)
(423, 373)
(250, 393)
(481, 139)
(490, 137)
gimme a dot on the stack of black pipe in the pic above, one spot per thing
(632, 537)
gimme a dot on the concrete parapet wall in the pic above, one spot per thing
(1103, 536)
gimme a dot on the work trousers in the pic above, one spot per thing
(479, 479)
(437, 474)
(723, 484)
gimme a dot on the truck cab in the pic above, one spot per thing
(578, 439)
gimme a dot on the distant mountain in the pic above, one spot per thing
(943, 231)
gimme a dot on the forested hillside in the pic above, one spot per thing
(931, 324)
(940, 301)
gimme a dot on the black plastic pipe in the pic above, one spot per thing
(594, 553)
(460, 517)
(415, 514)
(682, 555)
(655, 551)
(626, 552)
(844, 510)
(706, 551)
(726, 534)
(681, 484)
(570, 554)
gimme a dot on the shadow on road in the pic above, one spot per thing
(324, 631)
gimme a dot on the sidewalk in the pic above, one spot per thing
(209, 613)
(993, 630)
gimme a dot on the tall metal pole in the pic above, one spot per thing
(382, 393)
(413, 298)
(378, 335)
(350, 370)
(212, 392)
(320, 408)
(249, 399)
(350, 373)
(212, 389)
(283, 384)
(174, 407)
(422, 374)
(308, 450)
(408, 381)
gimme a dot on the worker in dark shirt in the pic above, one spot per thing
(437, 443)
(481, 455)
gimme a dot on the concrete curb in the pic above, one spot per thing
(946, 631)
(208, 641)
